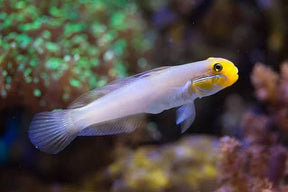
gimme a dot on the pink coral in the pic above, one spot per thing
(259, 163)
(265, 81)
(242, 170)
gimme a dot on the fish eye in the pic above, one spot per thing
(217, 67)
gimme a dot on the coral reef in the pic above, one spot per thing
(259, 162)
(272, 89)
(251, 168)
(52, 51)
(187, 165)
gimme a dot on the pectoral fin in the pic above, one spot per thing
(185, 116)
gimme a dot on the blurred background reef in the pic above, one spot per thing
(53, 51)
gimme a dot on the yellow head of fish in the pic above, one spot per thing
(220, 74)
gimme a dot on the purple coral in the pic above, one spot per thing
(259, 162)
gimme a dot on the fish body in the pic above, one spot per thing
(148, 95)
(111, 109)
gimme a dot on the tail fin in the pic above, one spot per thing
(51, 132)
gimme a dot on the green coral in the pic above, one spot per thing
(82, 45)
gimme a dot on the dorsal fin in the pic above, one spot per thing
(94, 94)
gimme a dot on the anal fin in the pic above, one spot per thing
(122, 125)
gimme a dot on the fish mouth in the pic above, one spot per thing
(237, 77)
(232, 79)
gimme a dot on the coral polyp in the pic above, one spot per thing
(72, 46)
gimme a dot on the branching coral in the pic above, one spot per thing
(258, 163)
(272, 88)
(243, 169)
(265, 81)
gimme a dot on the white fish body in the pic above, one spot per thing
(115, 105)
(148, 95)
